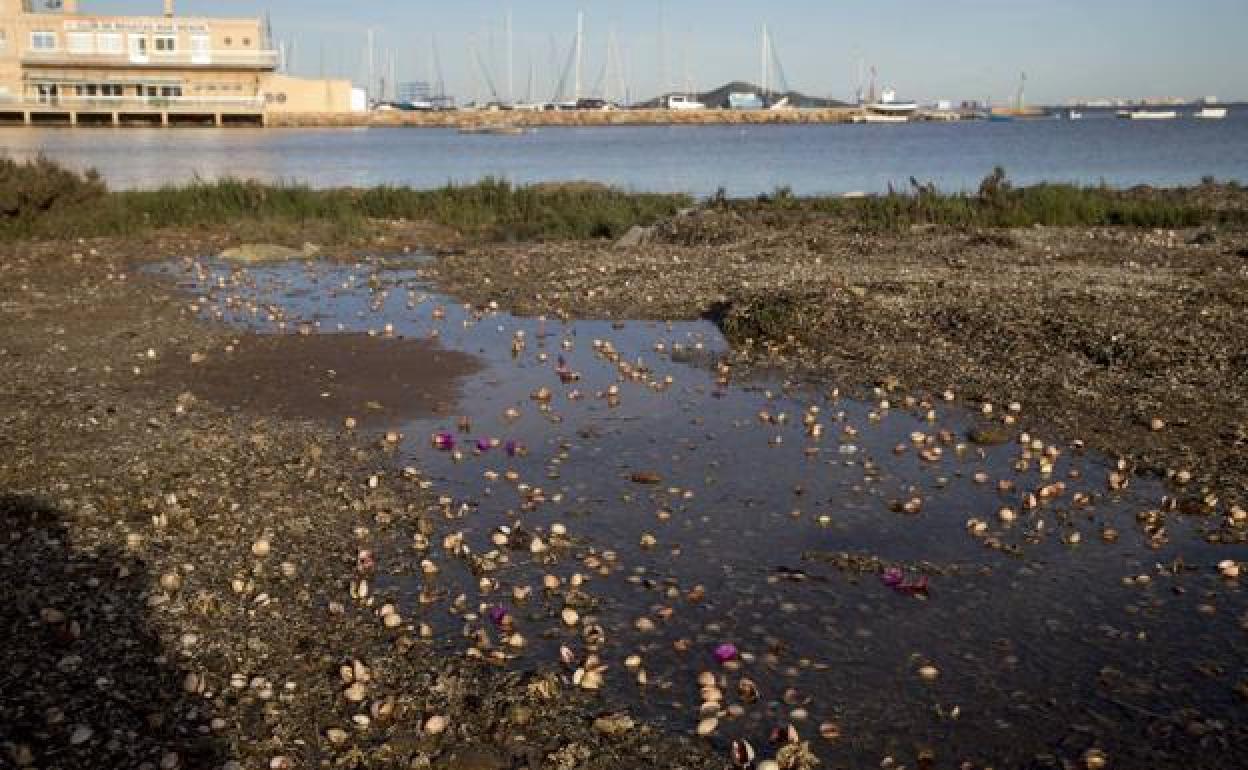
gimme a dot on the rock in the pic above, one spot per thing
(613, 724)
(252, 253)
(636, 236)
(989, 435)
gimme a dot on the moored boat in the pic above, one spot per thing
(871, 117)
(889, 104)
(1148, 114)
(1210, 113)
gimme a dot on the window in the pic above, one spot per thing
(4, 40)
(165, 43)
(201, 49)
(108, 42)
(168, 91)
(246, 41)
(229, 41)
(80, 42)
(43, 41)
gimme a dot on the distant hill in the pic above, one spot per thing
(719, 96)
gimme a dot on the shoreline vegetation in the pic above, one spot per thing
(40, 199)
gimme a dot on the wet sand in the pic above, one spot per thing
(183, 571)
(375, 381)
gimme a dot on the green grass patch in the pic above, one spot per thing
(39, 199)
(999, 204)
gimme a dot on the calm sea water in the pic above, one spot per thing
(696, 159)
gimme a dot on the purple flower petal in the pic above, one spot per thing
(725, 652)
(892, 577)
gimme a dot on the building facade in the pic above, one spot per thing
(58, 64)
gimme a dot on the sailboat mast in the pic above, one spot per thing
(764, 66)
(664, 77)
(368, 64)
(580, 31)
(511, 83)
(606, 74)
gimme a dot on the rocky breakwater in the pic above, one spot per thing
(579, 118)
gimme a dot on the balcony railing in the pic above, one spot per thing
(137, 103)
(260, 60)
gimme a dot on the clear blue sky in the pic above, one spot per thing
(926, 49)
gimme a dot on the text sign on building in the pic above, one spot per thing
(132, 25)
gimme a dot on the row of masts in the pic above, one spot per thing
(568, 79)
(568, 75)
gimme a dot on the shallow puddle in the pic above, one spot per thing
(880, 576)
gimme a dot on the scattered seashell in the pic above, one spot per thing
(830, 731)
(436, 724)
(742, 753)
(171, 581)
(707, 726)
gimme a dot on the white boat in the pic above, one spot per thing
(1074, 115)
(1148, 114)
(888, 105)
(871, 117)
(1210, 113)
(682, 102)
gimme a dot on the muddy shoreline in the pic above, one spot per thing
(184, 569)
(1133, 341)
(187, 565)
